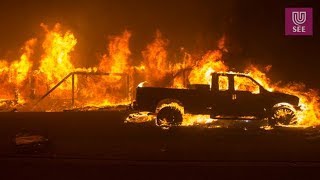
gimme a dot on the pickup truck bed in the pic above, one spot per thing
(194, 100)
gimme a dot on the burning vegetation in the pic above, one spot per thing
(44, 63)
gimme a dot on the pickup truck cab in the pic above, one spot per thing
(230, 96)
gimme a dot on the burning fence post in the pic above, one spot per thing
(128, 87)
(16, 95)
(32, 85)
(72, 101)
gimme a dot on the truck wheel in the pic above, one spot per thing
(282, 115)
(169, 116)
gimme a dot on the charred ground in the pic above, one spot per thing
(99, 143)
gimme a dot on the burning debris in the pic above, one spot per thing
(46, 63)
(30, 79)
(8, 105)
(29, 142)
(140, 117)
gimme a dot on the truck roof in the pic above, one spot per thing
(230, 73)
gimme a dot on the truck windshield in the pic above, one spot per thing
(242, 83)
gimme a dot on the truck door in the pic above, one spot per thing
(223, 102)
(246, 96)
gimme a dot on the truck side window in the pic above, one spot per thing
(246, 84)
(223, 83)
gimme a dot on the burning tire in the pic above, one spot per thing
(169, 116)
(282, 115)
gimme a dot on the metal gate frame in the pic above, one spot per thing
(72, 74)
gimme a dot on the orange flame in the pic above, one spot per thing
(111, 89)
(155, 59)
(309, 98)
(56, 61)
(13, 75)
(117, 58)
(211, 62)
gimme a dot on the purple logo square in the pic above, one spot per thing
(299, 22)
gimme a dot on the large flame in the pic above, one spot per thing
(109, 89)
(13, 75)
(117, 58)
(156, 59)
(56, 61)
(211, 62)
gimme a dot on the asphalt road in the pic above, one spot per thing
(91, 144)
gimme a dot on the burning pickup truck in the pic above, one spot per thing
(231, 96)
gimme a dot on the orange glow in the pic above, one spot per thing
(155, 59)
(34, 73)
(117, 58)
(210, 62)
(246, 84)
(223, 83)
(56, 63)
(309, 98)
(13, 76)
(191, 120)
(110, 90)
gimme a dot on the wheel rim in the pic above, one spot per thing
(284, 116)
(168, 117)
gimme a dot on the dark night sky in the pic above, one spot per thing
(255, 29)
